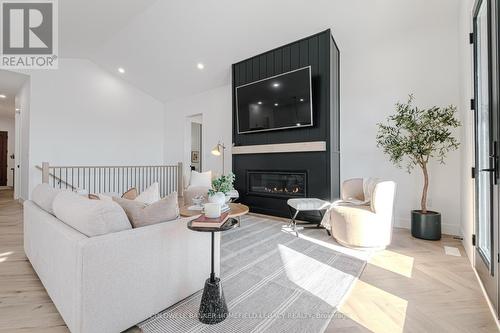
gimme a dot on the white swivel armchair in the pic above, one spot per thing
(363, 221)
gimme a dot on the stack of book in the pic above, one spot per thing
(205, 222)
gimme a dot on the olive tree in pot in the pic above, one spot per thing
(411, 137)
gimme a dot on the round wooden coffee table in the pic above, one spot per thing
(235, 210)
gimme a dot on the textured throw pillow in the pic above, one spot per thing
(150, 195)
(368, 187)
(202, 179)
(130, 194)
(90, 217)
(43, 195)
(141, 214)
(103, 196)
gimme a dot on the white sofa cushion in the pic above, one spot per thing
(201, 179)
(90, 217)
(107, 196)
(43, 195)
(150, 195)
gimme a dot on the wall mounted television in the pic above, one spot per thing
(275, 103)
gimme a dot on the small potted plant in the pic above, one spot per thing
(413, 136)
(220, 188)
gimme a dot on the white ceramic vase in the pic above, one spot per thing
(218, 197)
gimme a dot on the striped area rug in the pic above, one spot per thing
(272, 281)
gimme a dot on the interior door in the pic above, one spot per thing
(487, 140)
(196, 146)
(3, 158)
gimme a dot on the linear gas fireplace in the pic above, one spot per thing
(277, 183)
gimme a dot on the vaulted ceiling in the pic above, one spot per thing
(160, 42)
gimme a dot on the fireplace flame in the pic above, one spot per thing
(293, 190)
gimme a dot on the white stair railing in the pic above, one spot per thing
(114, 179)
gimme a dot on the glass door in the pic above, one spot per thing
(486, 159)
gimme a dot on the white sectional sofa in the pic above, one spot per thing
(111, 282)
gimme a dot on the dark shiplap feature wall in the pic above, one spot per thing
(312, 51)
(321, 53)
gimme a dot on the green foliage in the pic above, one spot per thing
(412, 135)
(222, 184)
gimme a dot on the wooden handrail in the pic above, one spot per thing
(46, 176)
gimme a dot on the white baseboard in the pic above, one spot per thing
(446, 228)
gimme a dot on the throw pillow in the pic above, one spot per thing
(103, 196)
(368, 187)
(141, 214)
(130, 194)
(202, 179)
(150, 195)
(90, 217)
(43, 195)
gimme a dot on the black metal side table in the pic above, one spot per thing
(213, 308)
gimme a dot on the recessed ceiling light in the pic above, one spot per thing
(301, 99)
(17, 110)
(200, 65)
(3, 96)
(298, 124)
(276, 104)
(259, 102)
(121, 70)
(276, 84)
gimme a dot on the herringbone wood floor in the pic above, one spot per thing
(411, 287)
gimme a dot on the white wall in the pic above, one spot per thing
(407, 53)
(385, 55)
(7, 125)
(215, 108)
(82, 115)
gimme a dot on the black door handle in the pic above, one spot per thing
(495, 162)
(488, 170)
